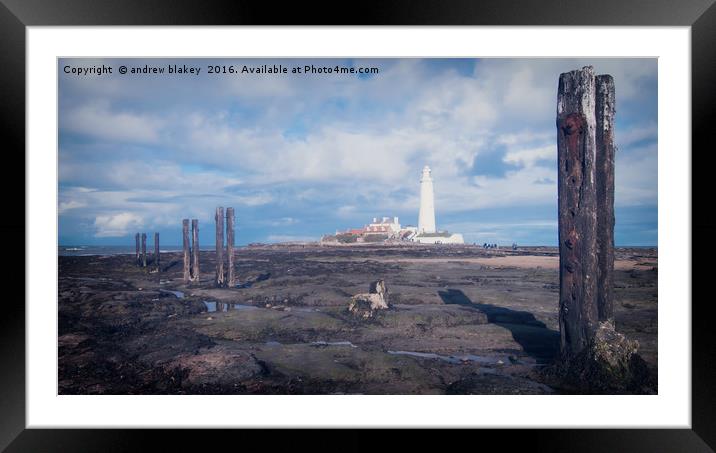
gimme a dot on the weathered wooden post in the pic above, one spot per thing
(144, 249)
(185, 244)
(136, 243)
(156, 251)
(576, 152)
(231, 281)
(594, 354)
(605, 108)
(195, 249)
(219, 218)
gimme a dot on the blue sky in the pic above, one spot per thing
(299, 156)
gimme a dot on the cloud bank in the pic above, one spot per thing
(329, 152)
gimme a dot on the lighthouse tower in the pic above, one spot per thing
(426, 217)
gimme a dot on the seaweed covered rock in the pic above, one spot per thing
(364, 305)
(610, 364)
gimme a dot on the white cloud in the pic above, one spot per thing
(98, 120)
(523, 187)
(526, 136)
(529, 157)
(346, 211)
(253, 200)
(284, 221)
(116, 225)
(636, 134)
(636, 176)
(65, 206)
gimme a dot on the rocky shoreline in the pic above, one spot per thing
(462, 320)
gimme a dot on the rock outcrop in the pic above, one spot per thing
(364, 305)
(610, 364)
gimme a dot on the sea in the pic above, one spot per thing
(87, 250)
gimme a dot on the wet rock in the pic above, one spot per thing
(160, 346)
(218, 366)
(364, 305)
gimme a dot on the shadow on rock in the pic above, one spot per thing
(533, 335)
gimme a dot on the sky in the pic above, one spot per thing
(303, 155)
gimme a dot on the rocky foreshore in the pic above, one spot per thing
(460, 319)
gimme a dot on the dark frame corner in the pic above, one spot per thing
(16, 15)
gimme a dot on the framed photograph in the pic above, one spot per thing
(236, 224)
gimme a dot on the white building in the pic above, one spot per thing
(426, 215)
(442, 237)
(388, 225)
(427, 233)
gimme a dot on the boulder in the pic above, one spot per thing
(364, 305)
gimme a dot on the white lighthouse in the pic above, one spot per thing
(426, 232)
(426, 217)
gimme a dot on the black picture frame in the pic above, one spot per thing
(16, 15)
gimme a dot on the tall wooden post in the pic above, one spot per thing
(219, 218)
(144, 249)
(156, 251)
(576, 150)
(605, 108)
(136, 242)
(231, 281)
(185, 244)
(195, 249)
(596, 355)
